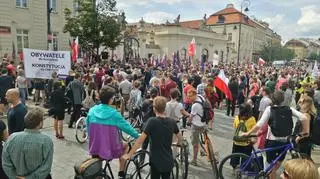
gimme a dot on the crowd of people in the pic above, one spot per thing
(164, 96)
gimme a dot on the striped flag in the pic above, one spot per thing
(75, 50)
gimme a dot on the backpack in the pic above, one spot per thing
(280, 121)
(88, 102)
(148, 111)
(207, 110)
(315, 129)
(88, 169)
(240, 129)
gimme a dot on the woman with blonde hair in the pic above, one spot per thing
(299, 169)
(303, 140)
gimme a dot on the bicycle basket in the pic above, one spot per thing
(88, 169)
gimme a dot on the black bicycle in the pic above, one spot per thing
(137, 167)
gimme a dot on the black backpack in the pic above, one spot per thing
(207, 110)
(280, 121)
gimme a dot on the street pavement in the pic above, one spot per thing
(67, 152)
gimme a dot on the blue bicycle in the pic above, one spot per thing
(252, 167)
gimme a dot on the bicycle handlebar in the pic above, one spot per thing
(176, 145)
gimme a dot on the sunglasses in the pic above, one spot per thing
(286, 174)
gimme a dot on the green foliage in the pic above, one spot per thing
(96, 24)
(313, 56)
(276, 52)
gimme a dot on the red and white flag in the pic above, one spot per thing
(75, 49)
(261, 62)
(192, 48)
(221, 82)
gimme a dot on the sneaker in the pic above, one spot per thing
(193, 162)
(61, 137)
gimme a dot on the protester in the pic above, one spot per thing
(29, 154)
(6, 82)
(21, 82)
(57, 102)
(298, 169)
(16, 112)
(78, 94)
(160, 129)
(3, 137)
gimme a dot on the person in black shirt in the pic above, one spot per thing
(57, 102)
(233, 86)
(161, 130)
(16, 112)
(6, 82)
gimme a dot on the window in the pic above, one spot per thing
(22, 3)
(230, 36)
(55, 41)
(22, 39)
(54, 5)
(75, 7)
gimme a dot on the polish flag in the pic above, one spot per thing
(261, 62)
(221, 82)
(192, 48)
(75, 49)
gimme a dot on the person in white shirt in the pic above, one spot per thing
(174, 109)
(272, 139)
(197, 125)
(125, 88)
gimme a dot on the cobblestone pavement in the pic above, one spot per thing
(68, 151)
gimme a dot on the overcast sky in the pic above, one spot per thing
(289, 18)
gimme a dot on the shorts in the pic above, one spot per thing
(272, 155)
(196, 131)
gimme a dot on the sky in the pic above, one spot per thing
(289, 18)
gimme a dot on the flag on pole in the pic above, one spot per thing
(13, 51)
(75, 50)
(164, 61)
(174, 60)
(315, 70)
(192, 48)
(261, 62)
(221, 82)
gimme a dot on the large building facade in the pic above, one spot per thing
(165, 39)
(304, 47)
(252, 34)
(24, 24)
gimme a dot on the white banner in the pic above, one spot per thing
(41, 64)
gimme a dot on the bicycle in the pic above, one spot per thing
(81, 127)
(207, 148)
(253, 166)
(136, 120)
(140, 168)
(182, 157)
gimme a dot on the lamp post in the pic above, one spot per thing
(49, 33)
(244, 5)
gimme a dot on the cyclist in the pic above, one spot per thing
(160, 129)
(279, 119)
(197, 124)
(103, 123)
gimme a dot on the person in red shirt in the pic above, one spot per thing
(98, 79)
(171, 84)
(187, 102)
(12, 69)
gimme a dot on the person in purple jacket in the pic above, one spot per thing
(103, 124)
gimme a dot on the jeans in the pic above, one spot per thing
(23, 95)
(75, 114)
(231, 106)
(156, 174)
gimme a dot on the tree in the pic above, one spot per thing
(313, 56)
(271, 52)
(96, 24)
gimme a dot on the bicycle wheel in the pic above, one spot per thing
(135, 169)
(213, 161)
(81, 130)
(230, 167)
(175, 170)
(184, 161)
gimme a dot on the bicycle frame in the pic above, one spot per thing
(254, 156)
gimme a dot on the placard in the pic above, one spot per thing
(41, 64)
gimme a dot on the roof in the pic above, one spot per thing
(228, 10)
(194, 24)
(233, 18)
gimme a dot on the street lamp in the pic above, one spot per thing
(244, 5)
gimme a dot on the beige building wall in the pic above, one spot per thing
(33, 19)
(300, 51)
